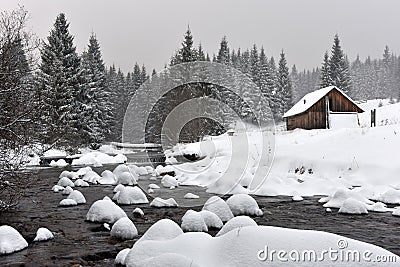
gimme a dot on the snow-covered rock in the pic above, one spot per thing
(58, 163)
(353, 206)
(43, 234)
(192, 221)
(57, 188)
(126, 178)
(81, 183)
(124, 229)
(138, 211)
(64, 182)
(163, 229)
(162, 203)
(120, 258)
(297, 197)
(242, 204)
(77, 196)
(150, 191)
(396, 212)
(118, 188)
(236, 222)
(211, 219)
(107, 177)
(105, 210)
(91, 177)
(378, 207)
(142, 171)
(166, 259)
(82, 171)
(391, 196)
(218, 206)
(191, 196)
(11, 240)
(68, 190)
(340, 196)
(154, 186)
(98, 159)
(67, 202)
(69, 174)
(168, 181)
(131, 195)
(162, 170)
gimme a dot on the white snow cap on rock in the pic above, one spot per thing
(138, 211)
(69, 174)
(68, 190)
(64, 181)
(131, 195)
(353, 206)
(242, 204)
(211, 219)
(218, 206)
(67, 202)
(340, 196)
(120, 258)
(107, 177)
(77, 196)
(81, 183)
(124, 229)
(396, 212)
(192, 221)
(236, 222)
(153, 186)
(391, 196)
(98, 159)
(168, 181)
(105, 210)
(58, 163)
(11, 240)
(57, 188)
(163, 229)
(91, 177)
(118, 188)
(43, 234)
(191, 196)
(160, 203)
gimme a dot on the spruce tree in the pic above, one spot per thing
(339, 68)
(325, 72)
(59, 81)
(223, 53)
(283, 88)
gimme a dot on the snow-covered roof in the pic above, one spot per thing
(310, 99)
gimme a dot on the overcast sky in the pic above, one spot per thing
(149, 31)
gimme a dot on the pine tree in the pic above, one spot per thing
(223, 53)
(59, 80)
(325, 72)
(283, 88)
(339, 68)
(200, 54)
(254, 67)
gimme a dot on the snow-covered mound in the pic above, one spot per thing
(340, 196)
(131, 195)
(68, 190)
(142, 171)
(120, 258)
(153, 186)
(91, 177)
(192, 221)
(11, 240)
(391, 196)
(161, 170)
(58, 163)
(378, 207)
(77, 196)
(211, 219)
(218, 206)
(69, 174)
(353, 206)
(82, 171)
(396, 212)
(252, 245)
(138, 211)
(191, 196)
(105, 210)
(98, 159)
(163, 229)
(125, 175)
(163, 203)
(168, 181)
(124, 229)
(236, 222)
(57, 188)
(107, 177)
(166, 259)
(67, 202)
(64, 182)
(43, 234)
(81, 183)
(242, 204)
(118, 188)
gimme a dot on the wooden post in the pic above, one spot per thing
(373, 118)
(327, 112)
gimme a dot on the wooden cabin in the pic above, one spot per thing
(317, 109)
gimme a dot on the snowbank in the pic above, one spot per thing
(105, 210)
(11, 240)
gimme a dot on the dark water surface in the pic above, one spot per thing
(78, 242)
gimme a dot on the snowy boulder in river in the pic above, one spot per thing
(192, 221)
(118, 188)
(57, 188)
(142, 171)
(237, 222)
(131, 195)
(67, 202)
(353, 206)
(126, 178)
(242, 204)
(162, 203)
(211, 219)
(43, 234)
(378, 207)
(107, 177)
(81, 183)
(105, 210)
(396, 212)
(124, 229)
(11, 240)
(77, 196)
(218, 206)
(64, 181)
(120, 258)
(168, 181)
(191, 196)
(138, 212)
(70, 175)
(91, 177)
(153, 186)
(164, 229)
(391, 196)
(58, 163)
(340, 196)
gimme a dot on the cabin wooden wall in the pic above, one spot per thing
(315, 116)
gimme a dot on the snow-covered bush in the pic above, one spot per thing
(105, 210)
(218, 206)
(124, 229)
(242, 204)
(11, 240)
(236, 222)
